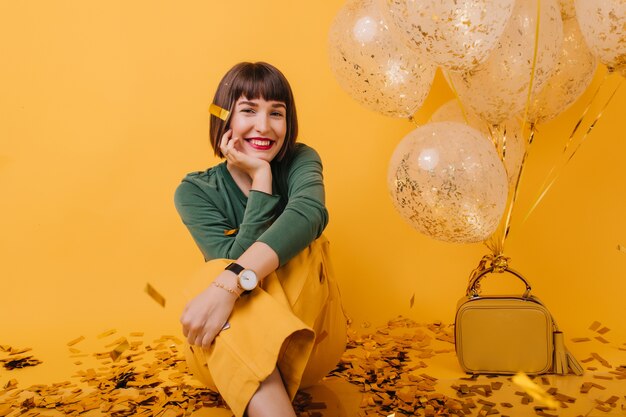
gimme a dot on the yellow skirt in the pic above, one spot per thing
(294, 321)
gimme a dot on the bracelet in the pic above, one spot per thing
(222, 286)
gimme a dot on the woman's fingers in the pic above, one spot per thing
(226, 138)
(192, 330)
(210, 333)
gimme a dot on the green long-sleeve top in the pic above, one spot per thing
(224, 222)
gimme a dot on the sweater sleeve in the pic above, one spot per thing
(304, 217)
(204, 213)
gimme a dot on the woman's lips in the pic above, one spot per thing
(261, 144)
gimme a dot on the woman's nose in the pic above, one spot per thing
(261, 123)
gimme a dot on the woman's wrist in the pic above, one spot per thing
(229, 282)
(262, 179)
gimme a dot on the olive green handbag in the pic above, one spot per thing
(506, 334)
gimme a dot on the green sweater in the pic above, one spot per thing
(224, 222)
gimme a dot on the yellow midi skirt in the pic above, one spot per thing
(293, 321)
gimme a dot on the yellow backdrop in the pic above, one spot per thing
(104, 109)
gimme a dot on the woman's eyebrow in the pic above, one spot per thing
(253, 104)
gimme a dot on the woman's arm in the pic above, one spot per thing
(304, 217)
(202, 204)
(206, 314)
(204, 208)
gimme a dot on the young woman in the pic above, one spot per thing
(266, 318)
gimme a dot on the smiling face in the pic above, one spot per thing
(256, 83)
(262, 126)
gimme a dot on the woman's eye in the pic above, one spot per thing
(247, 110)
(278, 114)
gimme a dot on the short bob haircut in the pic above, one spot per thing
(253, 80)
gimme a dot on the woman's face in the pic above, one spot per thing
(262, 126)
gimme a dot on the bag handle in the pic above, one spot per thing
(474, 285)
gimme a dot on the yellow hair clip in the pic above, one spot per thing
(217, 111)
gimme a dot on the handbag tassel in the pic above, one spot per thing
(564, 361)
(560, 356)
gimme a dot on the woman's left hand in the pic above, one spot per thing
(205, 315)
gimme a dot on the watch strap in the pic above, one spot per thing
(234, 267)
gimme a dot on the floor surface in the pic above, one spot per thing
(401, 368)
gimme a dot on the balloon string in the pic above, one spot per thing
(495, 244)
(560, 168)
(506, 226)
(534, 67)
(456, 95)
(568, 142)
(496, 132)
(507, 230)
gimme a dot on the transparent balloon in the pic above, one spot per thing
(455, 34)
(498, 89)
(603, 24)
(570, 78)
(379, 72)
(447, 181)
(568, 9)
(514, 142)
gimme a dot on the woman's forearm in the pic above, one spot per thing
(259, 257)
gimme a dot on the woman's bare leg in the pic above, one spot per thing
(271, 399)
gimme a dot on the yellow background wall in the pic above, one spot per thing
(103, 109)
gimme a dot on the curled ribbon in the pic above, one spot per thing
(496, 263)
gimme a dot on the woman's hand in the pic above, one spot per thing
(231, 149)
(205, 315)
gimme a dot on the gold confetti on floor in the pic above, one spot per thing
(389, 365)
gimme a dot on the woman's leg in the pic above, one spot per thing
(271, 399)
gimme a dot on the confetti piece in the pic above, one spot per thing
(601, 339)
(107, 333)
(534, 390)
(218, 112)
(16, 351)
(155, 295)
(604, 330)
(621, 248)
(115, 342)
(78, 339)
(117, 352)
(11, 384)
(580, 339)
(20, 362)
(230, 232)
(411, 302)
(600, 359)
(136, 334)
(595, 325)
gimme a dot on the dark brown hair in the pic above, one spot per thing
(253, 80)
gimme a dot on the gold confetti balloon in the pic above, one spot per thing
(568, 10)
(571, 77)
(603, 24)
(456, 34)
(447, 181)
(514, 140)
(498, 89)
(380, 73)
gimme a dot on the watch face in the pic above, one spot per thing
(248, 280)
